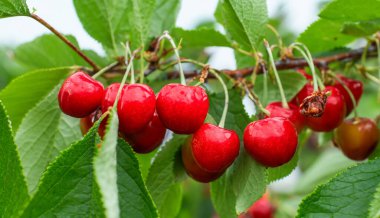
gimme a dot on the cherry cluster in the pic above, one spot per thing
(273, 140)
(143, 118)
(210, 150)
(83, 97)
(357, 137)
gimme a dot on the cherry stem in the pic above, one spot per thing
(226, 97)
(129, 67)
(265, 75)
(309, 60)
(278, 36)
(128, 54)
(255, 99)
(142, 67)
(372, 78)
(378, 62)
(278, 80)
(365, 52)
(66, 40)
(348, 91)
(170, 39)
(105, 69)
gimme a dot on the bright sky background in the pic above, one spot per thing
(61, 15)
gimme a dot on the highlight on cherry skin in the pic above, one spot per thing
(80, 95)
(182, 109)
(292, 114)
(192, 168)
(214, 148)
(136, 107)
(271, 141)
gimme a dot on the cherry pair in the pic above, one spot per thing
(211, 149)
(338, 104)
(209, 152)
(81, 95)
(273, 140)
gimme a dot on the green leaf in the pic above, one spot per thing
(292, 83)
(134, 198)
(164, 16)
(161, 177)
(347, 195)
(13, 191)
(362, 28)
(237, 119)
(351, 10)
(374, 210)
(243, 61)
(284, 170)
(245, 176)
(328, 39)
(174, 199)
(106, 21)
(42, 134)
(48, 51)
(201, 37)
(10, 8)
(326, 166)
(280, 172)
(244, 20)
(67, 187)
(105, 168)
(226, 16)
(223, 199)
(24, 92)
(140, 19)
(145, 161)
(358, 18)
(248, 181)
(9, 68)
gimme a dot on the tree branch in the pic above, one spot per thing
(320, 62)
(65, 40)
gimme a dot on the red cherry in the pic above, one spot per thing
(192, 168)
(136, 108)
(149, 138)
(181, 108)
(214, 148)
(80, 95)
(357, 138)
(108, 101)
(356, 88)
(262, 208)
(333, 115)
(292, 114)
(110, 96)
(86, 123)
(302, 94)
(271, 141)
